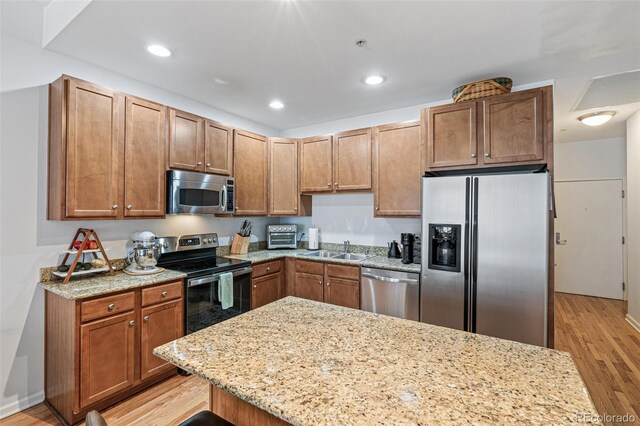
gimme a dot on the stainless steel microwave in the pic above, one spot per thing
(199, 193)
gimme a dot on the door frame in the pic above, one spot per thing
(623, 180)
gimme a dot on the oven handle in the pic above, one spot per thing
(216, 277)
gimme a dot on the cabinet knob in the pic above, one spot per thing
(268, 268)
(199, 163)
(164, 294)
(328, 284)
(377, 208)
(146, 318)
(335, 183)
(295, 209)
(320, 282)
(473, 155)
(115, 206)
(111, 307)
(255, 286)
(129, 207)
(208, 164)
(486, 154)
(132, 322)
(328, 183)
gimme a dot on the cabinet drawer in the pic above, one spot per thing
(161, 293)
(308, 267)
(266, 269)
(109, 305)
(342, 271)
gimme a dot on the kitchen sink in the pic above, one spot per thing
(321, 253)
(352, 256)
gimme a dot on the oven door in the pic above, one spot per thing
(281, 240)
(203, 306)
(194, 197)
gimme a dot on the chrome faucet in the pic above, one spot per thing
(346, 246)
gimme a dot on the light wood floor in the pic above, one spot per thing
(605, 348)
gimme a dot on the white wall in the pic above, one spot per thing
(27, 240)
(633, 217)
(591, 159)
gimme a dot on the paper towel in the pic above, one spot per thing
(314, 243)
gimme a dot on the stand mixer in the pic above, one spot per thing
(142, 254)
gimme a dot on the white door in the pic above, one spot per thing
(589, 247)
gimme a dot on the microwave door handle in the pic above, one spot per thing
(223, 207)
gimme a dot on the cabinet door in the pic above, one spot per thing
(265, 290)
(107, 363)
(283, 176)
(94, 139)
(218, 148)
(250, 171)
(144, 158)
(352, 160)
(513, 127)
(309, 286)
(452, 136)
(316, 164)
(160, 324)
(397, 169)
(342, 292)
(186, 142)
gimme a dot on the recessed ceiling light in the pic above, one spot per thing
(374, 80)
(276, 105)
(596, 118)
(158, 50)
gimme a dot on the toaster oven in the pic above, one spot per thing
(281, 236)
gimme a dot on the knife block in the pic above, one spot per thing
(240, 244)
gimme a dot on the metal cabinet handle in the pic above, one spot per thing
(473, 155)
(132, 322)
(559, 241)
(129, 207)
(486, 154)
(164, 294)
(115, 206)
(146, 319)
(111, 307)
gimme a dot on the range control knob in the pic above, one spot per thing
(209, 240)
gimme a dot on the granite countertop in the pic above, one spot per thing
(381, 262)
(82, 288)
(312, 363)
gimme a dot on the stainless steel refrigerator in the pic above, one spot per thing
(485, 254)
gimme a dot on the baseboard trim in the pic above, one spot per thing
(21, 404)
(634, 322)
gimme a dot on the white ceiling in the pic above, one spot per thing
(240, 55)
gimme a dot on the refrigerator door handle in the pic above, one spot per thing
(466, 256)
(473, 255)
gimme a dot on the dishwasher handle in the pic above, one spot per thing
(390, 280)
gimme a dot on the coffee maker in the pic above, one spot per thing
(407, 239)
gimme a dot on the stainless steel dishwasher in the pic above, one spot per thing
(391, 293)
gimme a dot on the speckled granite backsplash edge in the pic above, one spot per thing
(119, 264)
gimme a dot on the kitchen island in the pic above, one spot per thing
(308, 363)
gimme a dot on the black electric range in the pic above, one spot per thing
(196, 256)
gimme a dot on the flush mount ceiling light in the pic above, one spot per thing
(596, 118)
(158, 50)
(374, 80)
(276, 105)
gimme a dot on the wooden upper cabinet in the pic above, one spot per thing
(283, 176)
(186, 141)
(106, 357)
(513, 127)
(452, 136)
(93, 142)
(352, 160)
(250, 172)
(397, 169)
(316, 164)
(161, 323)
(218, 148)
(144, 158)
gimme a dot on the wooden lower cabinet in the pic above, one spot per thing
(99, 351)
(327, 282)
(106, 357)
(267, 283)
(160, 324)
